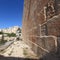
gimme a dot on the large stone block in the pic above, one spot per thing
(41, 52)
(34, 48)
(48, 42)
(53, 26)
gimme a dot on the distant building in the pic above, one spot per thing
(11, 29)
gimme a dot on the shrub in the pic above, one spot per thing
(11, 34)
(1, 32)
(3, 41)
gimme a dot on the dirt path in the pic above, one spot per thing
(18, 49)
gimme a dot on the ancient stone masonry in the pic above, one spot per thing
(41, 25)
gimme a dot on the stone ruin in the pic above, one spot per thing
(41, 26)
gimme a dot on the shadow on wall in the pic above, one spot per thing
(51, 56)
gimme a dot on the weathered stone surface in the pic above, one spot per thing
(39, 22)
(53, 26)
(41, 52)
(49, 43)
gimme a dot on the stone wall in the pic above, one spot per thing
(40, 21)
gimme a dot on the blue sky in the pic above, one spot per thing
(11, 13)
